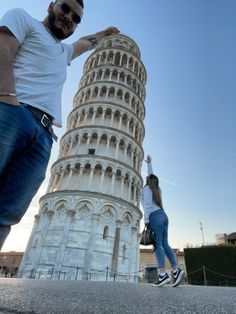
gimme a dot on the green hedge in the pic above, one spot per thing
(219, 263)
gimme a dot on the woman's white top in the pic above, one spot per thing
(40, 64)
(149, 206)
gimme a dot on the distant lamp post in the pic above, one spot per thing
(201, 228)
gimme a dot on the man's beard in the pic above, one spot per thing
(57, 32)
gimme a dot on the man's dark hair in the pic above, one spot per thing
(81, 2)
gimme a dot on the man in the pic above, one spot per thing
(32, 73)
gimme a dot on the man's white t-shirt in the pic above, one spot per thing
(40, 63)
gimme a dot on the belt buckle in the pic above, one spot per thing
(44, 117)
(49, 127)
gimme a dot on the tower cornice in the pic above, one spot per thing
(109, 103)
(98, 158)
(103, 128)
(95, 195)
(98, 83)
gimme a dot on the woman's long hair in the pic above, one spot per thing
(156, 191)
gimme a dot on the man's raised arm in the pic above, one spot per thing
(89, 42)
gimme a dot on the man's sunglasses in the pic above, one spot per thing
(66, 9)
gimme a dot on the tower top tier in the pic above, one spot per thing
(120, 41)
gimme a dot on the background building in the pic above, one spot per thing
(226, 238)
(10, 263)
(88, 222)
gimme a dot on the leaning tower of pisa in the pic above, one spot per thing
(88, 222)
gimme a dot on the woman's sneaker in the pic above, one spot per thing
(178, 276)
(162, 280)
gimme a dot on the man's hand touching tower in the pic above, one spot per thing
(89, 42)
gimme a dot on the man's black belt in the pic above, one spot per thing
(45, 119)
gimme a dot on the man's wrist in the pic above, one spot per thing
(93, 41)
(9, 100)
(8, 94)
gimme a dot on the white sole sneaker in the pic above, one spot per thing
(162, 283)
(179, 279)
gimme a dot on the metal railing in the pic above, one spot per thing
(106, 275)
(224, 280)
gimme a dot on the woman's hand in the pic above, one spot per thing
(149, 159)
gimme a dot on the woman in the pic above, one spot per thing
(155, 216)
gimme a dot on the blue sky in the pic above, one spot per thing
(188, 48)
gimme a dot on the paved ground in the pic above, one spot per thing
(48, 296)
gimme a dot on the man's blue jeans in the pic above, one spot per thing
(25, 147)
(159, 223)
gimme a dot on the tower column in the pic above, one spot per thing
(115, 255)
(132, 155)
(128, 124)
(125, 152)
(103, 116)
(136, 161)
(90, 178)
(29, 246)
(118, 77)
(55, 181)
(50, 183)
(135, 191)
(138, 196)
(42, 240)
(63, 149)
(73, 123)
(122, 186)
(134, 130)
(98, 142)
(62, 248)
(78, 120)
(113, 182)
(102, 179)
(81, 169)
(85, 117)
(117, 148)
(112, 117)
(130, 188)
(78, 144)
(91, 246)
(72, 169)
(88, 139)
(99, 59)
(94, 116)
(120, 121)
(108, 143)
(71, 146)
(61, 178)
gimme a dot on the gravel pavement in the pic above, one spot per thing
(52, 296)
